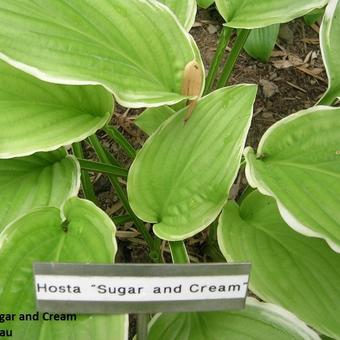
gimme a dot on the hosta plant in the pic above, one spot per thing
(64, 64)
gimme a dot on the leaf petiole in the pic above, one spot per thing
(232, 58)
(178, 252)
(102, 167)
(222, 44)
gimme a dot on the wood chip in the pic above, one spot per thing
(296, 87)
(205, 21)
(114, 208)
(258, 111)
(269, 88)
(316, 28)
(212, 29)
(281, 47)
(126, 234)
(295, 60)
(308, 57)
(268, 115)
(317, 70)
(282, 64)
(310, 73)
(278, 54)
(311, 41)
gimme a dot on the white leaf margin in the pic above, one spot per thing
(54, 147)
(192, 17)
(106, 219)
(73, 192)
(191, 11)
(276, 313)
(285, 19)
(325, 43)
(256, 182)
(37, 73)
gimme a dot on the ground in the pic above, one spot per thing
(292, 80)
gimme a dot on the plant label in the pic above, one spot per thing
(140, 288)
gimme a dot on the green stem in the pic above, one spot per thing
(211, 248)
(85, 178)
(121, 219)
(111, 160)
(101, 153)
(102, 167)
(142, 326)
(328, 99)
(231, 61)
(243, 164)
(179, 106)
(222, 44)
(178, 252)
(120, 140)
(212, 238)
(245, 193)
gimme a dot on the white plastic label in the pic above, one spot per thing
(140, 288)
(130, 288)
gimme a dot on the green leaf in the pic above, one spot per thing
(184, 10)
(150, 119)
(205, 3)
(181, 178)
(261, 13)
(41, 236)
(300, 273)
(298, 163)
(330, 48)
(313, 16)
(261, 42)
(259, 321)
(38, 116)
(135, 49)
(43, 179)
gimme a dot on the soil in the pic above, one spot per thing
(293, 79)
